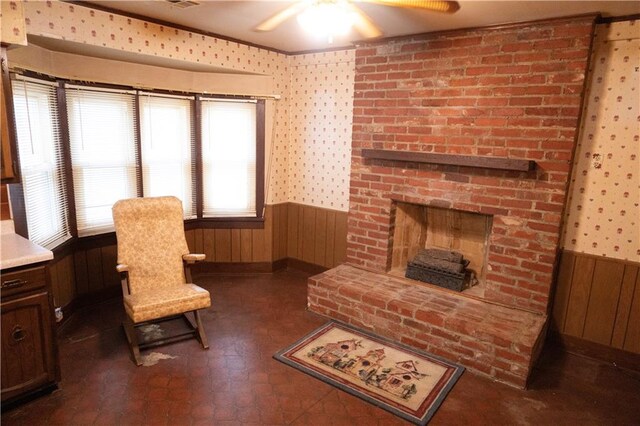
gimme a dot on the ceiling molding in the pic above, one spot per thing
(587, 16)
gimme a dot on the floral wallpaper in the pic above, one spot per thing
(320, 128)
(308, 160)
(65, 21)
(12, 22)
(603, 215)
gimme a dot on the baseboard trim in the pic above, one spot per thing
(303, 266)
(581, 347)
(205, 268)
(13, 403)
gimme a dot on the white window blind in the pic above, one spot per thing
(41, 162)
(167, 145)
(102, 130)
(228, 158)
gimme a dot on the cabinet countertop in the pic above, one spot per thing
(18, 251)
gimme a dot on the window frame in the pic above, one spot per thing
(137, 181)
(199, 222)
(193, 134)
(232, 222)
(16, 190)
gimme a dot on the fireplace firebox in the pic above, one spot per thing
(418, 227)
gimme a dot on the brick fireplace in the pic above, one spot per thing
(480, 122)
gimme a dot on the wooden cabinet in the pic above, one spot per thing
(29, 350)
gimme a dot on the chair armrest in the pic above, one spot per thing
(193, 258)
(123, 270)
(190, 259)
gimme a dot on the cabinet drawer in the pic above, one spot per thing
(22, 281)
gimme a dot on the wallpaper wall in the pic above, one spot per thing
(308, 159)
(320, 128)
(64, 21)
(12, 23)
(603, 215)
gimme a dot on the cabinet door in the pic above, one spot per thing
(27, 351)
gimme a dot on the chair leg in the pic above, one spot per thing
(130, 331)
(201, 334)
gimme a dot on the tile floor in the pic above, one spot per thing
(237, 382)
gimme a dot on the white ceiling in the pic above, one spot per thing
(236, 19)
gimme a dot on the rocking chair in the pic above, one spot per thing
(153, 262)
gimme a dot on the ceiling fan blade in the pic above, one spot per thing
(277, 19)
(363, 24)
(434, 5)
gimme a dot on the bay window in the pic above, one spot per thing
(124, 143)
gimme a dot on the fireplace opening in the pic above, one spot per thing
(424, 227)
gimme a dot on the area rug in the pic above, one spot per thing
(399, 379)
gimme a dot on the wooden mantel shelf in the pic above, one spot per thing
(451, 159)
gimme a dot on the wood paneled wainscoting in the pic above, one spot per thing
(295, 235)
(316, 236)
(241, 246)
(84, 273)
(4, 203)
(596, 307)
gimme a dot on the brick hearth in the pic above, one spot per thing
(492, 340)
(512, 92)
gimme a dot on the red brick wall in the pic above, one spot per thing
(512, 92)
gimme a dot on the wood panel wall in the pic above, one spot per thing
(598, 299)
(244, 245)
(311, 234)
(316, 235)
(63, 279)
(4, 203)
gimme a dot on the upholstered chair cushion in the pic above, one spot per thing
(164, 302)
(151, 242)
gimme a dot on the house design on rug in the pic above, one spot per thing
(399, 379)
(332, 354)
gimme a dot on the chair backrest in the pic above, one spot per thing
(151, 241)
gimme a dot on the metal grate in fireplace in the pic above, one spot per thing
(418, 227)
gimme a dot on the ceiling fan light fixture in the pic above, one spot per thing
(326, 18)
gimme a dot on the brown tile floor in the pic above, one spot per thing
(237, 381)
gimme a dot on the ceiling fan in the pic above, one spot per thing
(332, 17)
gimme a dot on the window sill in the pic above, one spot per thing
(225, 223)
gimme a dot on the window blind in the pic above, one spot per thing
(228, 158)
(102, 129)
(41, 161)
(167, 148)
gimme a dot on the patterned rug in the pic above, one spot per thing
(399, 379)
